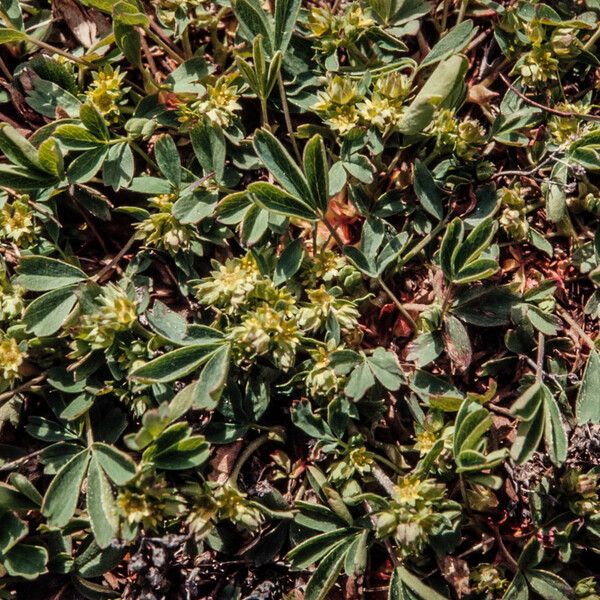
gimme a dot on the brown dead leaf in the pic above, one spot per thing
(223, 461)
(456, 573)
(479, 94)
(78, 20)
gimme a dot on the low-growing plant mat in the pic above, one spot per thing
(299, 300)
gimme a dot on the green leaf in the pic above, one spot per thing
(450, 245)
(46, 314)
(209, 146)
(289, 262)
(326, 573)
(413, 583)
(587, 408)
(118, 168)
(253, 21)
(51, 158)
(94, 122)
(549, 585)
(41, 274)
(26, 561)
(86, 165)
(477, 270)
(167, 159)
(528, 437)
(452, 43)
(360, 381)
(476, 242)
(188, 453)
(442, 85)
(314, 548)
(528, 403)
(427, 191)
(286, 13)
(555, 435)
(8, 36)
(23, 180)
(12, 531)
(276, 200)
(212, 379)
(278, 161)
(119, 466)
(127, 39)
(386, 368)
(174, 365)
(100, 505)
(62, 495)
(317, 172)
(18, 149)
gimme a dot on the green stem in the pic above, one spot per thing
(405, 314)
(425, 241)
(445, 15)
(137, 149)
(248, 451)
(185, 40)
(22, 388)
(264, 113)
(159, 42)
(462, 12)
(592, 40)
(89, 434)
(50, 48)
(286, 116)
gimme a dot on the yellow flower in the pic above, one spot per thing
(11, 359)
(17, 222)
(229, 284)
(408, 491)
(218, 105)
(114, 312)
(105, 92)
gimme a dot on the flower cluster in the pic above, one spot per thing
(333, 30)
(513, 218)
(106, 92)
(412, 513)
(12, 356)
(463, 137)
(163, 230)
(219, 104)
(17, 222)
(112, 311)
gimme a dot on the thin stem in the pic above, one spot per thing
(137, 149)
(159, 42)
(185, 40)
(425, 241)
(445, 15)
(22, 388)
(462, 12)
(592, 40)
(248, 451)
(399, 305)
(383, 480)
(554, 111)
(109, 267)
(13, 464)
(50, 48)
(264, 113)
(286, 116)
(539, 363)
(576, 326)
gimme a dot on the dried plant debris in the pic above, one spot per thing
(299, 300)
